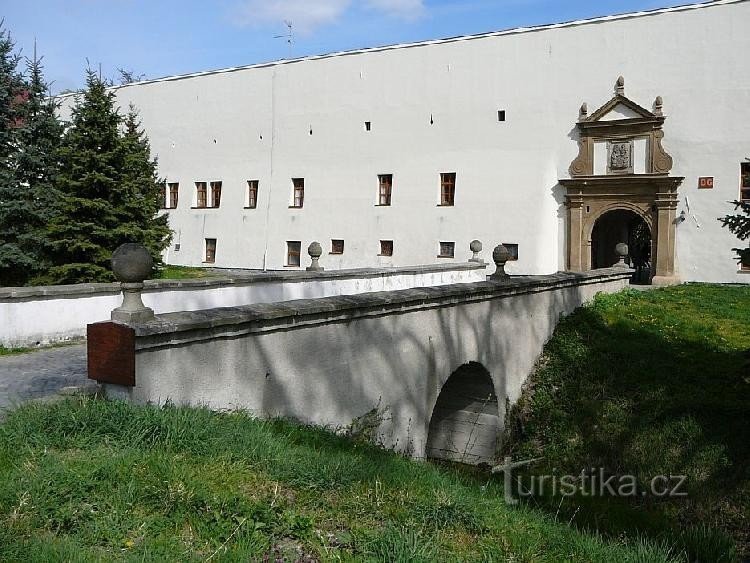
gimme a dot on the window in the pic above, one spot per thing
(174, 192)
(201, 199)
(501, 115)
(385, 183)
(386, 248)
(210, 250)
(215, 194)
(368, 126)
(447, 188)
(447, 249)
(745, 181)
(252, 194)
(293, 248)
(163, 201)
(337, 246)
(299, 192)
(513, 249)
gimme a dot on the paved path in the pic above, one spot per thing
(40, 373)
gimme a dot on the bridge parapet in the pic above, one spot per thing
(331, 360)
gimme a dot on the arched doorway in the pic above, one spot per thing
(465, 421)
(622, 225)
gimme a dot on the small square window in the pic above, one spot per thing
(448, 189)
(298, 197)
(252, 194)
(386, 248)
(501, 115)
(447, 250)
(513, 249)
(293, 248)
(385, 189)
(210, 250)
(337, 246)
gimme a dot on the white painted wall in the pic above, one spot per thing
(41, 320)
(255, 124)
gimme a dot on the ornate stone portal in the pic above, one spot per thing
(621, 165)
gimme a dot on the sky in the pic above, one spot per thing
(155, 38)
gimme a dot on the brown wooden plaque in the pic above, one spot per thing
(111, 353)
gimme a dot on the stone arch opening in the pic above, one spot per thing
(622, 225)
(465, 422)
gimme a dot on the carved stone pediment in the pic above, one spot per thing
(621, 137)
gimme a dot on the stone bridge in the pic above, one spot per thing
(428, 371)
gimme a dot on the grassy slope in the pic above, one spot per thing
(169, 272)
(87, 479)
(650, 383)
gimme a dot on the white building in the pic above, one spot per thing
(500, 112)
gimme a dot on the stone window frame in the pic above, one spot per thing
(293, 254)
(447, 249)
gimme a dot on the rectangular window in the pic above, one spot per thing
(299, 192)
(745, 181)
(385, 188)
(163, 202)
(293, 248)
(252, 194)
(337, 246)
(211, 250)
(447, 250)
(513, 249)
(174, 193)
(447, 188)
(386, 248)
(202, 193)
(215, 194)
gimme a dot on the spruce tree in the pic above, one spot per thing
(12, 92)
(39, 134)
(109, 191)
(739, 225)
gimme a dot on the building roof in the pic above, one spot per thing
(513, 31)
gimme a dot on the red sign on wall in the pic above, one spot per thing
(706, 182)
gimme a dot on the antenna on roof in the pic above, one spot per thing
(289, 36)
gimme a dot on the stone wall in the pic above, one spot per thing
(331, 361)
(31, 316)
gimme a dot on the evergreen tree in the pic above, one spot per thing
(36, 163)
(109, 190)
(12, 92)
(739, 225)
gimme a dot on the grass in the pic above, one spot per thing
(90, 480)
(649, 383)
(169, 272)
(13, 351)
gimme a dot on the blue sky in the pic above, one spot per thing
(164, 37)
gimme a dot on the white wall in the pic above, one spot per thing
(210, 127)
(40, 320)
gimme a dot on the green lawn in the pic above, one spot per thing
(89, 480)
(169, 272)
(649, 383)
(13, 351)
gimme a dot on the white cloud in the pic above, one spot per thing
(305, 15)
(402, 9)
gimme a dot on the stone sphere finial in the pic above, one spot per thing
(584, 111)
(620, 86)
(315, 251)
(476, 247)
(622, 250)
(658, 106)
(132, 264)
(500, 256)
